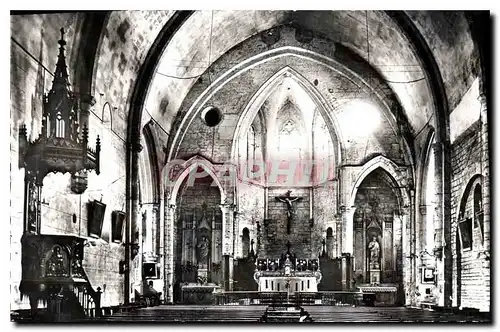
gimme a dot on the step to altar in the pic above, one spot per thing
(285, 313)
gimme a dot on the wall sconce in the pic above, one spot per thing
(123, 267)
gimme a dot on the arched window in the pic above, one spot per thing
(289, 136)
(250, 150)
(329, 242)
(59, 126)
(245, 242)
(478, 210)
(430, 194)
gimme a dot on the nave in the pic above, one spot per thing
(319, 156)
(319, 314)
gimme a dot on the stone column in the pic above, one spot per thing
(132, 208)
(413, 247)
(147, 231)
(160, 251)
(227, 244)
(347, 229)
(168, 245)
(408, 230)
(338, 235)
(347, 245)
(442, 224)
(237, 238)
(266, 198)
(422, 229)
(86, 103)
(154, 228)
(485, 165)
(438, 220)
(403, 216)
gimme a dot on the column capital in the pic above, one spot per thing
(423, 209)
(227, 207)
(347, 209)
(135, 145)
(171, 206)
(403, 211)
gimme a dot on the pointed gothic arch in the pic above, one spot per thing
(255, 104)
(398, 175)
(184, 169)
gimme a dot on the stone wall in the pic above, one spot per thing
(276, 237)
(233, 97)
(250, 204)
(466, 163)
(124, 44)
(325, 216)
(29, 80)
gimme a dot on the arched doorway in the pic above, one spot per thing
(378, 257)
(245, 242)
(329, 242)
(197, 233)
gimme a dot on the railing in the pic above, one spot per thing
(298, 298)
(255, 297)
(89, 299)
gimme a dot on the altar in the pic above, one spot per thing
(287, 274)
(384, 294)
(193, 293)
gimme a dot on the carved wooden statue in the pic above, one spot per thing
(374, 249)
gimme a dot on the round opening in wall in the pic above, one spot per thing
(212, 116)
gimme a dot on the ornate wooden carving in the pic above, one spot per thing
(50, 261)
(62, 146)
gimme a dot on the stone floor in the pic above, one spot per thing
(322, 314)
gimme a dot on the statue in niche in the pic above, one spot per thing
(202, 249)
(374, 249)
(76, 265)
(56, 263)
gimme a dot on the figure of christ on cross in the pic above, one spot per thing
(288, 200)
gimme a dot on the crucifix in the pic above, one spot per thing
(288, 200)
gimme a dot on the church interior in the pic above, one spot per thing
(277, 162)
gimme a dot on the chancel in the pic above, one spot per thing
(250, 166)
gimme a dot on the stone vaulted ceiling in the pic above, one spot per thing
(372, 37)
